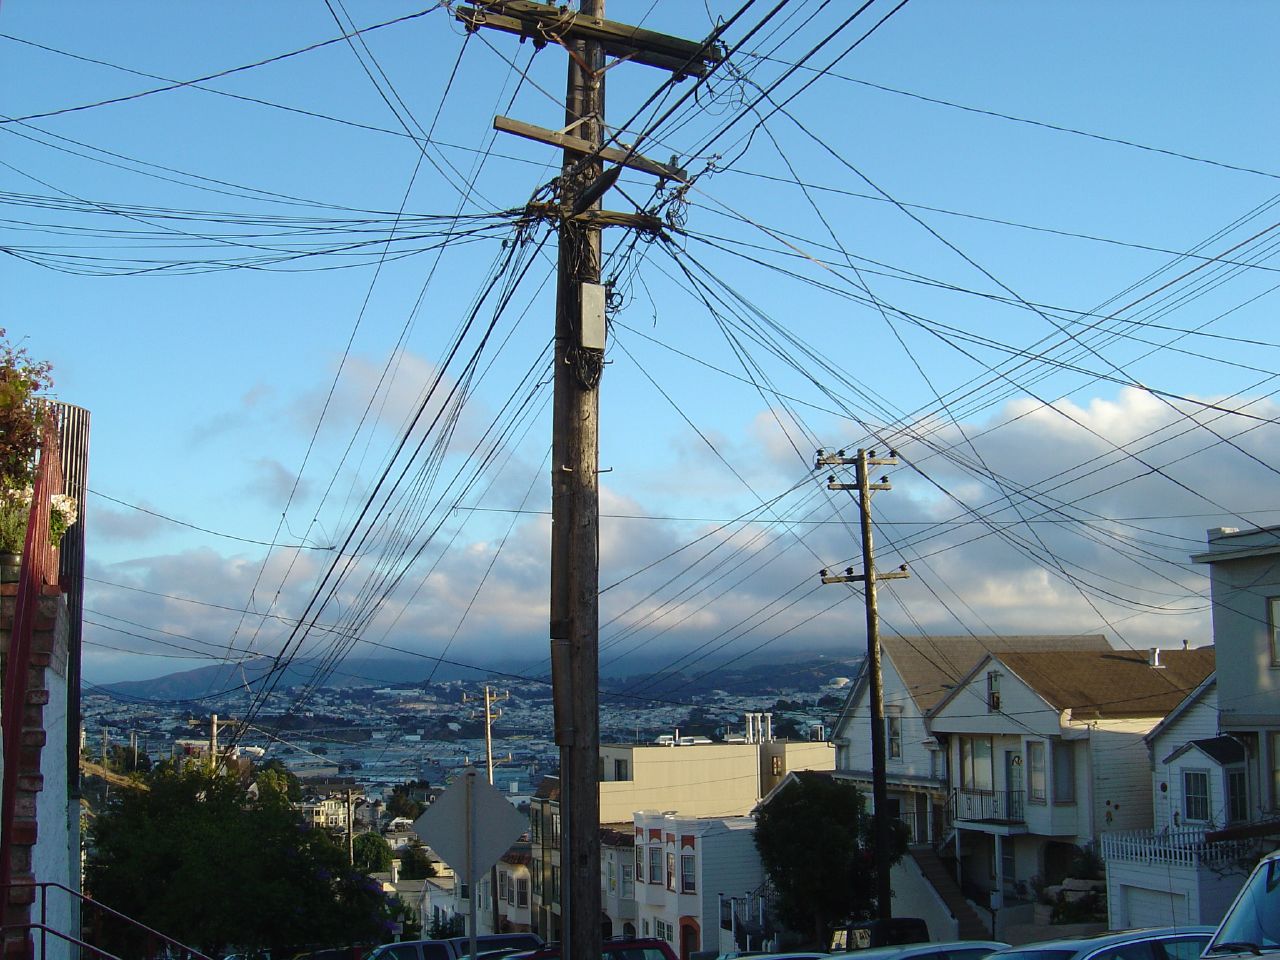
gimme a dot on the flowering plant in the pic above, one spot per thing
(15, 508)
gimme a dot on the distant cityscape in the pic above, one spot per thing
(379, 736)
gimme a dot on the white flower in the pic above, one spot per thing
(65, 507)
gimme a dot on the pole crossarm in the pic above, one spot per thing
(567, 141)
(850, 577)
(597, 218)
(543, 23)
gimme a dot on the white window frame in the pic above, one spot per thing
(1200, 797)
(893, 736)
(1037, 772)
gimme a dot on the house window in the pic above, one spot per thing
(628, 881)
(1064, 772)
(537, 878)
(640, 863)
(687, 884)
(1036, 792)
(1237, 795)
(1195, 795)
(535, 825)
(975, 763)
(555, 829)
(655, 864)
(522, 892)
(502, 886)
(644, 926)
(620, 769)
(555, 884)
(612, 872)
(671, 871)
(993, 692)
(775, 765)
(895, 737)
(1273, 623)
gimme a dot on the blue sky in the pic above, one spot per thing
(206, 382)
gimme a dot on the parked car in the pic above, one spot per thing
(1156, 943)
(950, 950)
(878, 933)
(639, 948)
(1252, 925)
(455, 948)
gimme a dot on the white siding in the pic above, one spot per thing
(1022, 711)
(1198, 722)
(1121, 781)
(854, 757)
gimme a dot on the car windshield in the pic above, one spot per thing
(1254, 920)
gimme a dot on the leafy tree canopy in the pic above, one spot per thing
(199, 858)
(814, 839)
(402, 802)
(416, 863)
(21, 378)
(372, 853)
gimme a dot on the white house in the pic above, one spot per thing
(917, 673)
(1046, 751)
(1170, 874)
(1244, 572)
(1215, 758)
(682, 866)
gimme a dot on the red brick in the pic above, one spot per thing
(37, 698)
(34, 738)
(33, 718)
(24, 832)
(25, 805)
(23, 889)
(31, 782)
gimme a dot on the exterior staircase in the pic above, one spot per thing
(968, 923)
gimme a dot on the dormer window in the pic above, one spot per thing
(993, 692)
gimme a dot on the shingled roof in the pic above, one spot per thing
(931, 666)
(1113, 684)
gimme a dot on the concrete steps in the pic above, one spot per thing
(969, 924)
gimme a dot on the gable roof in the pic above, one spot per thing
(1112, 684)
(1190, 700)
(1221, 750)
(931, 666)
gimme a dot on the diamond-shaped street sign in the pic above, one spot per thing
(495, 823)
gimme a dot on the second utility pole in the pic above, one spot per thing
(879, 775)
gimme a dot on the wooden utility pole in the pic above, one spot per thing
(213, 743)
(869, 577)
(579, 362)
(351, 832)
(490, 715)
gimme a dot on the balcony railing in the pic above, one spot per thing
(1179, 848)
(991, 806)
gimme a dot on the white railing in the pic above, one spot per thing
(1179, 848)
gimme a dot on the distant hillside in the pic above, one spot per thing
(204, 681)
(755, 676)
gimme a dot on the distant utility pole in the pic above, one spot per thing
(491, 714)
(579, 362)
(869, 577)
(351, 832)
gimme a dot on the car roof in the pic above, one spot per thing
(908, 950)
(1086, 944)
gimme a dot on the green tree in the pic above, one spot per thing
(198, 857)
(274, 775)
(401, 803)
(372, 853)
(416, 863)
(814, 840)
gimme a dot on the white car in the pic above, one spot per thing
(1251, 927)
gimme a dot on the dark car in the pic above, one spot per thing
(642, 948)
(1157, 943)
(455, 948)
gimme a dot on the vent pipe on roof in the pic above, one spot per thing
(1153, 659)
(768, 728)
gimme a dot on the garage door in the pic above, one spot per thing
(1154, 908)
